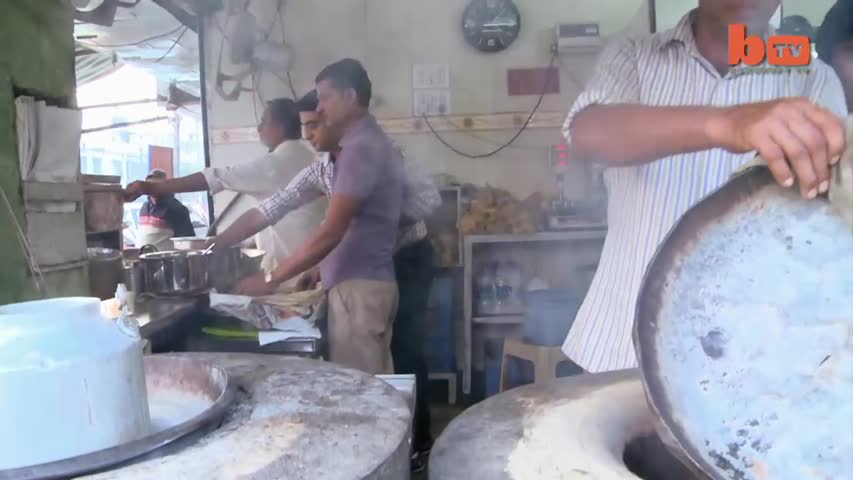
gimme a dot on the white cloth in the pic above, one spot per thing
(645, 201)
(260, 178)
(161, 238)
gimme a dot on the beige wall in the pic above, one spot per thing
(389, 36)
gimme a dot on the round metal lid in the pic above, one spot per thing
(744, 334)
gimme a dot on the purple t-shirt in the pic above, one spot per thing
(369, 168)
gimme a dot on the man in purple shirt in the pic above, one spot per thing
(355, 243)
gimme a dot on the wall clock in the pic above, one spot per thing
(491, 25)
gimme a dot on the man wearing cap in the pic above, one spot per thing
(163, 216)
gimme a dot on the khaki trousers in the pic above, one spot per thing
(360, 318)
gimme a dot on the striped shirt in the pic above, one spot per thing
(420, 195)
(645, 201)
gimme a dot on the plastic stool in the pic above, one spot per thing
(545, 360)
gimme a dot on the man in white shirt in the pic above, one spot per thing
(281, 132)
(673, 120)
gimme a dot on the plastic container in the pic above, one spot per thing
(72, 381)
(550, 314)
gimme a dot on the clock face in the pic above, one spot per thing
(491, 25)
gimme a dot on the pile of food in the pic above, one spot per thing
(493, 210)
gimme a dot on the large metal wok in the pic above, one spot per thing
(744, 335)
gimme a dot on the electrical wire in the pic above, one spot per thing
(289, 79)
(173, 45)
(254, 102)
(134, 44)
(545, 86)
(290, 84)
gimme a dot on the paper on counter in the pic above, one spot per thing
(267, 318)
(293, 327)
(242, 307)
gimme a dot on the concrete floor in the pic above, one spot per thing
(442, 414)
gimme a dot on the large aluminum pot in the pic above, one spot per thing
(173, 273)
(225, 267)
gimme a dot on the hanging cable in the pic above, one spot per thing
(134, 44)
(173, 45)
(545, 86)
(289, 79)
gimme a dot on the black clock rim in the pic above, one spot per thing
(516, 31)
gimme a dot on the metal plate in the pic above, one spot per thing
(187, 399)
(744, 334)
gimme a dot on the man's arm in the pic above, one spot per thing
(305, 187)
(359, 171)
(342, 209)
(190, 183)
(608, 124)
(244, 227)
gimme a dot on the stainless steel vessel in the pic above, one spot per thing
(174, 273)
(190, 243)
(190, 272)
(224, 265)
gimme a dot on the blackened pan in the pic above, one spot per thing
(744, 335)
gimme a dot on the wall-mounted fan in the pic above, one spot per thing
(249, 50)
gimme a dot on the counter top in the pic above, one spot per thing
(157, 315)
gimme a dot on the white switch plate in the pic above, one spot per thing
(431, 102)
(435, 75)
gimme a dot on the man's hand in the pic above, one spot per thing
(255, 286)
(135, 190)
(798, 139)
(308, 280)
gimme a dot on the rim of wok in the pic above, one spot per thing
(678, 244)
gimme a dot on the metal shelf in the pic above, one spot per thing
(513, 319)
(581, 233)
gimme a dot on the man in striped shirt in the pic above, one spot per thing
(672, 121)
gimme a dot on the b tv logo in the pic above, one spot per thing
(780, 50)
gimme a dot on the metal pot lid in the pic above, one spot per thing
(744, 335)
(171, 254)
(103, 254)
(190, 239)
